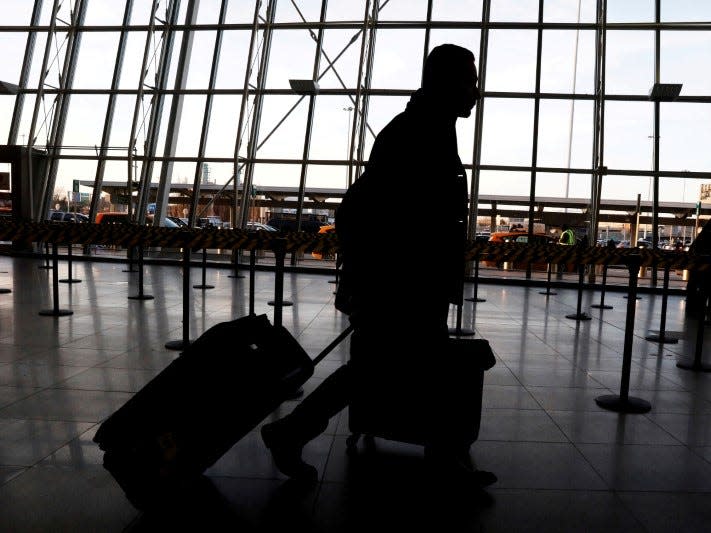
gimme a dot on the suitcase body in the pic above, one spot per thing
(423, 404)
(224, 384)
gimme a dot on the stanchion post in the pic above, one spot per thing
(252, 268)
(185, 341)
(458, 330)
(204, 285)
(548, 291)
(69, 278)
(140, 295)
(55, 311)
(579, 315)
(279, 254)
(280, 258)
(624, 403)
(129, 254)
(661, 337)
(475, 298)
(46, 257)
(602, 305)
(696, 364)
(235, 254)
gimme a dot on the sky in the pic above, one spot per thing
(685, 129)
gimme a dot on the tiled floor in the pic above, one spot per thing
(563, 463)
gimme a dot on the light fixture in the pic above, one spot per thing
(8, 88)
(304, 86)
(664, 92)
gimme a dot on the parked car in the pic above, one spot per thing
(211, 221)
(329, 228)
(112, 217)
(180, 222)
(520, 235)
(62, 216)
(167, 222)
(258, 226)
(309, 223)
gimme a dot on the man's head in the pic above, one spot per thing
(450, 78)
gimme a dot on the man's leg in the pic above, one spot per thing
(286, 437)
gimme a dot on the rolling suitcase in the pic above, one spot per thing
(399, 410)
(222, 385)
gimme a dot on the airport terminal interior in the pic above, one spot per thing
(202, 121)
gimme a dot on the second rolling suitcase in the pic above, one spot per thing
(398, 411)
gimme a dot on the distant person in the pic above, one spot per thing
(400, 314)
(698, 286)
(567, 238)
(567, 235)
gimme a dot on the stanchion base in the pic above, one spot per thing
(613, 402)
(548, 293)
(662, 339)
(176, 345)
(475, 299)
(141, 297)
(56, 312)
(203, 286)
(69, 280)
(462, 332)
(581, 316)
(285, 303)
(598, 306)
(693, 365)
(5, 291)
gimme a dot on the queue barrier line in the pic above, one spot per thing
(130, 235)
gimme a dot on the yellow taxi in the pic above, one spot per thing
(328, 228)
(519, 235)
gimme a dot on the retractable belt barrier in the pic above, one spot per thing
(599, 255)
(129, 235)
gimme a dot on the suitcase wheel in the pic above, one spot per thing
(352, 443)
(369, 442)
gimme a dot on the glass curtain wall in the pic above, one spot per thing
(249, 110)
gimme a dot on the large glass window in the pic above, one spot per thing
(508, 132)
(511, 62)
(388, 52)
(686, 59)
(630, 62)
(629, 135)
(684, 136)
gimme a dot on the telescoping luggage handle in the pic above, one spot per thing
(328, 349)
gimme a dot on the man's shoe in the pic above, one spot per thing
(484, 478)
(287, 454)
(450, 468)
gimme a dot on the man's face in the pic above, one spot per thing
(466, 92)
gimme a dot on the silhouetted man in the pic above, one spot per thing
(402, 275)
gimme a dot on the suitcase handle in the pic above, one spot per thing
(335, 342)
